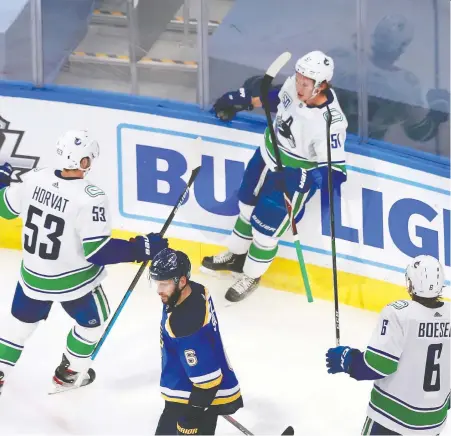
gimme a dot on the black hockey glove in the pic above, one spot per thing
(227, 106)
(146, 247)
(190, 423)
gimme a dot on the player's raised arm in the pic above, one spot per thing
(94, 226)
(246, 98)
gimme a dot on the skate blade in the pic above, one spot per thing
(62, 389)
(59, 389)
(220, 274)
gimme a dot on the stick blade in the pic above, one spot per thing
(288, 431)
(278, 64)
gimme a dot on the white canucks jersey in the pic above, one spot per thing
(301, 132)
(64, 222)
(411, 347)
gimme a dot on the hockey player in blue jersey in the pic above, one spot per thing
(197, 381)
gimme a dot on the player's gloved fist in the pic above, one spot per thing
(319, 177)
(438, 101)
(291, 180)
(6, 171)
(146, 247)
(188, 426)
(230, 103)
(338, 359)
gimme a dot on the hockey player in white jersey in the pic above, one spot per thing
(408, 357)
(301, 130)
(67, 242)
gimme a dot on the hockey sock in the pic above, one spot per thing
(259, 257)
(13, 336)
(241, 237)
(81, 342)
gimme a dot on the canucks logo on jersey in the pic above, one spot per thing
(284, 129)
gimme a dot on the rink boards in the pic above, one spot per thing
(393, 206)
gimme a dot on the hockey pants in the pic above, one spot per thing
(263, 217)
(89, 312)
(167, 425)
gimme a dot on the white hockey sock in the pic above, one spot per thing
(81, 342)
(241, 237)
(261, 253)
(13, 335)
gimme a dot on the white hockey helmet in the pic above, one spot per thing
(316, 66)
(73, 146)
(424, 277)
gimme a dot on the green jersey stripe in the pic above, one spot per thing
(287, 159)
(411, 418)
(379, 363)
(60, 284)
(92, 247)
(5, 209)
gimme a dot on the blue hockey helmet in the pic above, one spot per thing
(170, 264)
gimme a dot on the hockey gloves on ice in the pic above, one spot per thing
(146, 247)
(230, 103)
(6, 171)
(338, 359)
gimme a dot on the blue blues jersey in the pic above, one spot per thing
(193, 356)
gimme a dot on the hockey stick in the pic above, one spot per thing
(332, 227)
(288, 431)
(272, 71)
(143, 266)
(138, 275)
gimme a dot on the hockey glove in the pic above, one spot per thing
(291, 179)
(320, 179)
(188, 426)
(146, 247)
(230, 103)
(6, 171)
(338, 359)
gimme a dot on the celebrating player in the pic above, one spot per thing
(197, 380)
(300, 125)
(408, 357)
(66, 245)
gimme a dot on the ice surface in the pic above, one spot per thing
(276, 342)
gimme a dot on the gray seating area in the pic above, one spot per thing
(64, 25)
(167, 49)
(15, 38)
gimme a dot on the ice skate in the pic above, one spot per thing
(242, 288)
(226, 261)
(65, 379)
